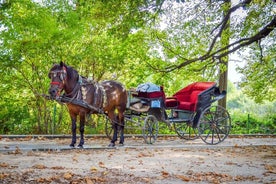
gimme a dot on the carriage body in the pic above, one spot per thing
(190, 111)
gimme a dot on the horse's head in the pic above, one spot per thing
(58, 75)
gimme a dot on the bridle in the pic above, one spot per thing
(62, 76)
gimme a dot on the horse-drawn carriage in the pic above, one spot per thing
(191, 110)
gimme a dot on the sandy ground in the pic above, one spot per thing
(169, 160)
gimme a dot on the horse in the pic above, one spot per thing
(106, 96)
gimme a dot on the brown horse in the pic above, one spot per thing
(107, 97)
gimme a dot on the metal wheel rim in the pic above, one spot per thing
(214, 125)
(150, 129)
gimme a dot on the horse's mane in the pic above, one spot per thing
(71, 72)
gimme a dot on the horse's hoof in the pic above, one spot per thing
(111, 145)
(121, 144)
(72, 146)
(80, 146)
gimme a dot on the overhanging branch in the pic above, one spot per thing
(220, 53)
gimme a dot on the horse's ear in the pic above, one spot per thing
(62, 64)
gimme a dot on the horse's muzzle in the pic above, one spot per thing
(54, 92)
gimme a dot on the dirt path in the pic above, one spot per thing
(168, 161)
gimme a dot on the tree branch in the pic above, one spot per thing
(265, 31)
(223, 23)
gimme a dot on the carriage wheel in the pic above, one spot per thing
(185, 130)
(108, 127)
(150, 129)
(214, 124)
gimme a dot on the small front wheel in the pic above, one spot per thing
(214, 124)
(108, 126)
(150, 129)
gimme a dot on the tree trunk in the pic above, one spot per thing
(223, 72)
(223, 80)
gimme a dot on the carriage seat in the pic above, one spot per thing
(187, 98)
(149, 90)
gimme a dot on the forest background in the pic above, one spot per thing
(167, 42)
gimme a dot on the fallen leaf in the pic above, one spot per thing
(183, 178)
(147, 180)
(88, 181)
(101, 164)
(57, 167)
(230, 163)
(93, 169)
(3, 164)
(68, 176)
(165, 174)
(4, 175)
(98, 179)
(75, 158)
(41, 180)
(39, 166)
(41, 138)
(270, 168)
(17, 150)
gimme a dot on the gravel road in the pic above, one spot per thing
(170, 160)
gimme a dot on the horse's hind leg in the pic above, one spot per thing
(115, 129)
(82, 122)
(115, 134)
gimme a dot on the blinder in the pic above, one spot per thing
(62, 74)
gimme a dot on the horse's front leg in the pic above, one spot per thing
(82, 122)
(115, 129)
(74, 127)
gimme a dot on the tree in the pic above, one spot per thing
(89, 38)
(193, 38)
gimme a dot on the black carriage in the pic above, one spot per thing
(191, 112)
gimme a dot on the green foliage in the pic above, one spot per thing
(118, 40)
(243, 123)
(249, 117)
(259, 80)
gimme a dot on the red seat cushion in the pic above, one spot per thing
(186, 106)
(188, 96)
(171, 103)
(156, 94)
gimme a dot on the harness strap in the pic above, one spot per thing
(76, 89)
(99, 96)
(104, 98)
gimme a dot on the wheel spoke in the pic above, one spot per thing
(185, 130)
(150, 129)
(214, 120)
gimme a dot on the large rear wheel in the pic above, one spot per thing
(214, 124)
